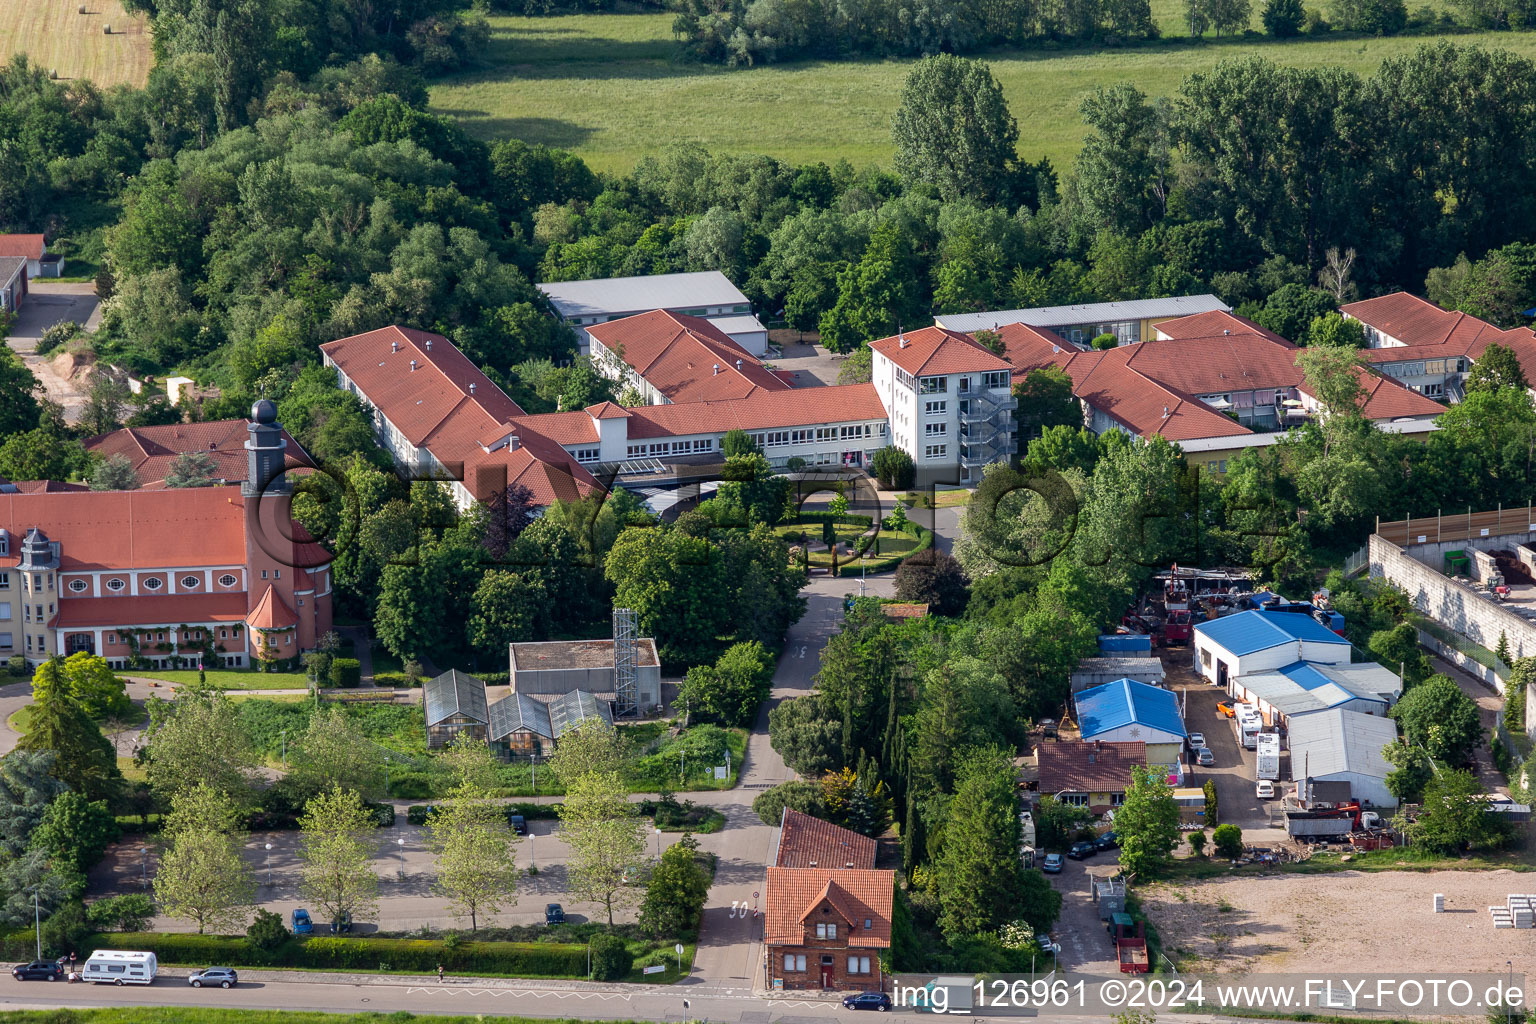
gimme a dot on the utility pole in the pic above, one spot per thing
(37, 917)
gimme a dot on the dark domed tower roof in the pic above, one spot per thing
(264, 411)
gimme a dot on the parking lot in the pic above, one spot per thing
(406, 872)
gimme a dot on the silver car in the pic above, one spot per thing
(223, 977)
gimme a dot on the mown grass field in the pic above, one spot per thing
(228, 679)
(607, 86)
(54, 35)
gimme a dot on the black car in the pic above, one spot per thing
(519, 825)
(222, 977)
(554, 913)
(1107, 841)
(45, 970)
(1082, 850)
(867, 1001)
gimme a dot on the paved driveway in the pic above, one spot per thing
(48, 303)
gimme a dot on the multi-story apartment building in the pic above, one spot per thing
(949, 401)
(1429, 349)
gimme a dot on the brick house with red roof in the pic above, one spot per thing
(828, 910)
(222, 573)
(1429, 349)
(152, 450)
(33, 249)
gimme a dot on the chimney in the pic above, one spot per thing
(429, 344)
(471, 387)
(901, 340)
(413, 365)
(514, 443)
(394, 346)
(213, 446)
(717, 370)
(738, 364)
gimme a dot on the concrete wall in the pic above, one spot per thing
(1476, 669)
(1453, 605)
(1483, 565)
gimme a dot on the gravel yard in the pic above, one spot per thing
(1363, 922)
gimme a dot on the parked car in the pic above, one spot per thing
(224, 977)
(1046, 945)
(519, 826)
(1196, 740)
(554, 913)
(1204, 758)
(1107, 841)
(45, 970)
(1265, 790)
(867, 1001)
(1082, 850)
(342, 924)
(1226, 709)
(302, 925)
(1052, 864)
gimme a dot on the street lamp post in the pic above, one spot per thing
(400, 844)
(386, 776)
(37, 918)
(144, 866)
(657, 830)
(533, 764)
(269, 863)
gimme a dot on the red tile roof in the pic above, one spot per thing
(1080, 766)
(938, 350)
(686, 358)
(809, 842)
(1426, 330)
(170, 610)
(1213, 324)
(272, 612)
(1030, 348)
(27, 247)
(151, 450)
(1387, 399)
(795, 895)
(434, 408)
(45, 486)
(194, 526)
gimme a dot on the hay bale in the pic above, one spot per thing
(82, 8)
(106, 30)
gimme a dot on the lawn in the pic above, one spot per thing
(230, 679)
(936, 499)
(605, 85)
(682, 763)
(56, 36)
(884, 544)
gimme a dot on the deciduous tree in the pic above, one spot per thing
(337, 844)
(953, 130)
(675, 895)
(1439, 716)
(202, 875)
(1147, 824)
(603, 831)
(197, 740)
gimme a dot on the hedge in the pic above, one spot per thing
(346, 672)
(846, 519)
(417, 814)
(326, 952)
(924, 542)
(398, 680)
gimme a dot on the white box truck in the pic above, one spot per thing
(120, 967)
(1268, 756)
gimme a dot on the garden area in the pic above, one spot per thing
(842, 542)
(683, 763)
(226, 678)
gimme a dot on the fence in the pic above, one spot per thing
(1467, 525)
(1357, 561)
(1473, 659)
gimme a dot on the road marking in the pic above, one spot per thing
(539, 993)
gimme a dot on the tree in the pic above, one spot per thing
(603, 831)
(1411, 770)
(893, 468)
(197, 740)
(1371, 17)
(1439, 716)
(89, 681)
(27, 788)
(105, 399)
(41, 454)
(1331, 375)
(879, 295)
(19, 392)
(953, 131)
(1496, 288)
(1123, 160)
(731, 689)
(1398, 649)
(1497, 367)
(267, 932)
(1283, 18)
(1332, 330)
(75, 831)
(1226, 839)
(592, 747)
(1147, 824)
(1046, 400)
(1334, 278)
(202, 874)
(336, 845)
(934, 578)
(1455, 816)
(798, 794)
(1292, 308)
(805, 732)
(509, 606)
(982, 881)
(83, 759)
(738, 442)
(611, 958)
(674, 897)
(191, 469)
(114, 473)
(1197, 840)
(129, 912)
(1522, 675)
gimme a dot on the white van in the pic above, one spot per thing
(120, 967)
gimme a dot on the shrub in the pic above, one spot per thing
(1228, 841)
(517, 959)
(1106, 341)
(62, 932)
(611, 959)
(17, 666)
(346, 672)
(128, 912)
(397, 680)
(893, 468)
(1197, 842)
(384, 814)
(267, 933)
